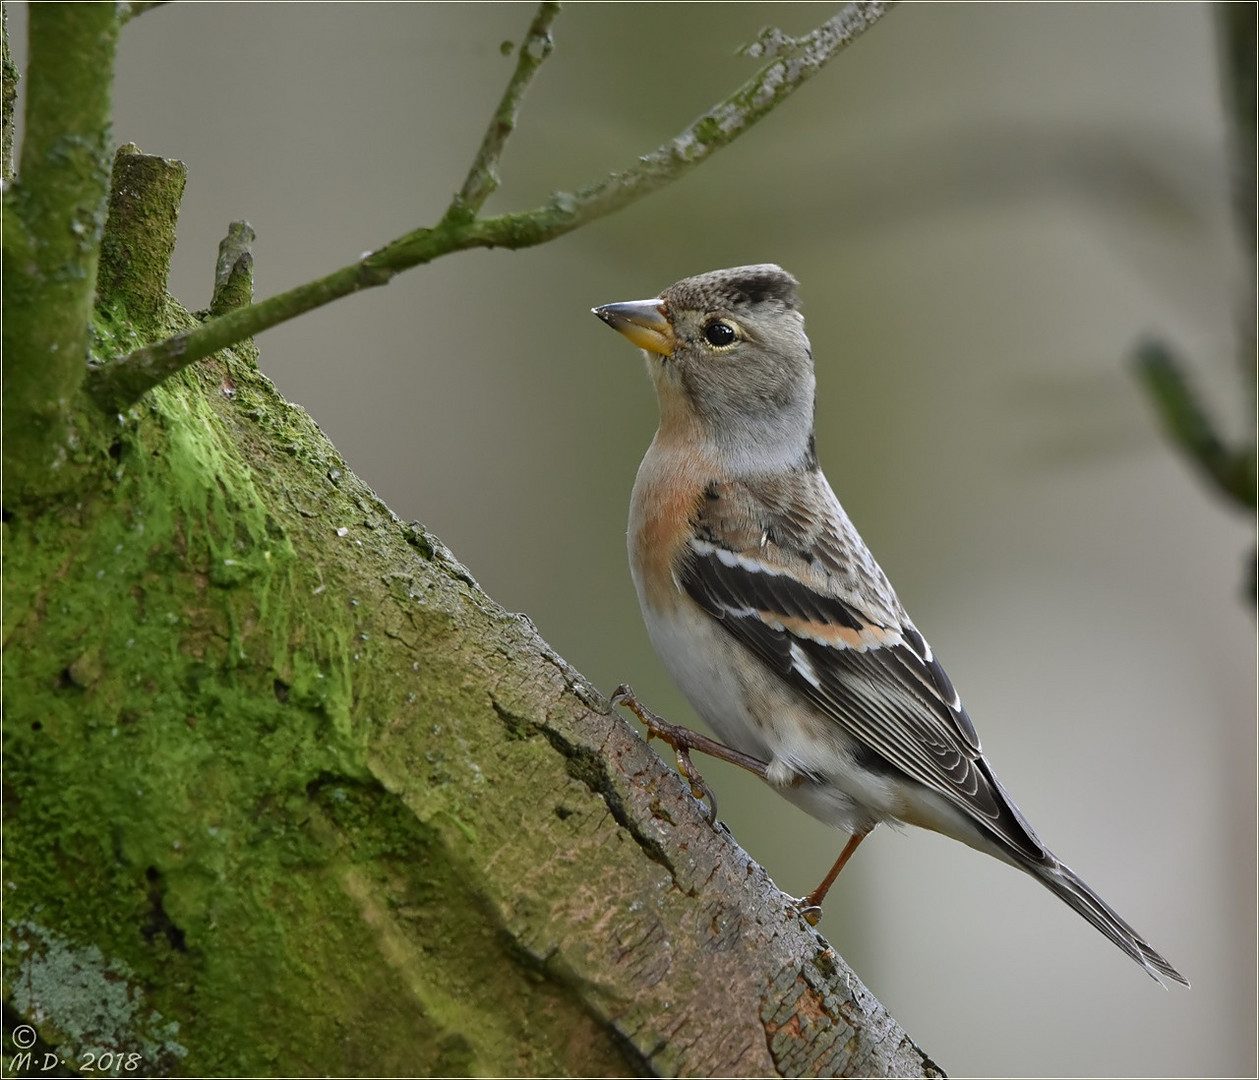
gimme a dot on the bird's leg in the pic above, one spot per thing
(683, 741)
(811, 905)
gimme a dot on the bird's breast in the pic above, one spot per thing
(667, 494)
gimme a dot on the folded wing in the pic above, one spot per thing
(796, 605)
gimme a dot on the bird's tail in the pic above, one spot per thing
(1064, 882)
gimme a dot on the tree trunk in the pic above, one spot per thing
(286, 792)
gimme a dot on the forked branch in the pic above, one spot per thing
(124, 380)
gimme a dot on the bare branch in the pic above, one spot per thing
(121, 382)
(482, 179)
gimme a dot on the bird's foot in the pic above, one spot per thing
(807, 909)
(681, 739)
(810, 907)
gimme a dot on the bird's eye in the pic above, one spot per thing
(718, 333)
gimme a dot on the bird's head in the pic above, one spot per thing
(730, 362)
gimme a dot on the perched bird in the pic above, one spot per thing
(770, 612)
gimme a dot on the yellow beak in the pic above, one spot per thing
(643, 322)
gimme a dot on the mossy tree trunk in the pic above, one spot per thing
(285, 791)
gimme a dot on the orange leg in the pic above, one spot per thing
(811, 905)
(683, 741)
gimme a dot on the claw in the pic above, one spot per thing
(680, 739)
(810, 913)
(699, 787)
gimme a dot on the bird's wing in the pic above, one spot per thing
(782, 569)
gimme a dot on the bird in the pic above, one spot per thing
(772, 616)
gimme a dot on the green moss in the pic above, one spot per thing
(136, 250)
(214, 650)
(708, 130)
(200, 691)
(149, 630)
(55, 213)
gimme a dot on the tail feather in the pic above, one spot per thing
(1065, 883)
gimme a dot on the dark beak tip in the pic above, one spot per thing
(608, 315)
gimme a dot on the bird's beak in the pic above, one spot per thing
(643, 322)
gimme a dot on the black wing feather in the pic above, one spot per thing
(895, 699)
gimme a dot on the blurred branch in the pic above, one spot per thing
(122, 381)
(1230, 470)
(1236, 30)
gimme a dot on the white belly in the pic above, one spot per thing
(750, 709)
(698, 654)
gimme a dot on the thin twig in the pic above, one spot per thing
(483, 179)
(121, 382)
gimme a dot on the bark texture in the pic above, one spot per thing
(287, 793)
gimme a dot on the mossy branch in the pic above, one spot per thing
(122, 381)
(57, 204)
(139, 239)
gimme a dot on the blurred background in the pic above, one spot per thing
(988, 206)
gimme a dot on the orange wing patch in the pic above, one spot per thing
(843, 637)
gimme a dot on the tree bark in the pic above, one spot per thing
(285, 791)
